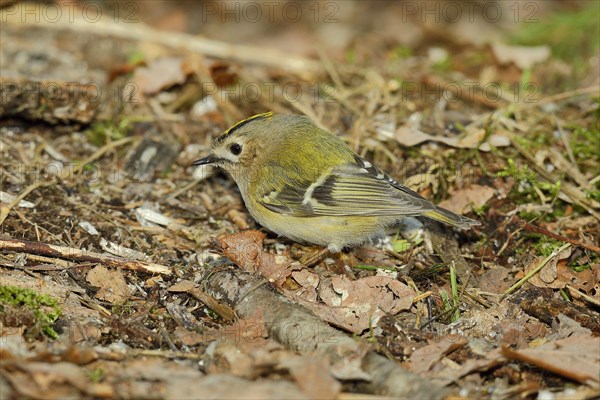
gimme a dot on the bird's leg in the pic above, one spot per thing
(313, 257)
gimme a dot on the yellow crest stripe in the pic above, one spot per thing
(244, 122)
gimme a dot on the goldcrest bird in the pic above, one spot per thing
(304, 183)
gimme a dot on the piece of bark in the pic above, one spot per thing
(540, 304)
(298, 329)
(49, 101)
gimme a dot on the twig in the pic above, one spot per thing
(71, 253)
(536, 269)
(180, 41)
(536, 229)
(223, 310)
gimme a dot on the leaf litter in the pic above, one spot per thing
(116, 179)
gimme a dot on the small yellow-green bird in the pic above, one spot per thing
(304, 183)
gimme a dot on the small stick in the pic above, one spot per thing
(71, 253)
(536, 229)
(222, 309)
(536, 269)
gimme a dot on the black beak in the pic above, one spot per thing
(207, 160)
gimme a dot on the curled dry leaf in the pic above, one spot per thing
(557, 274)
(246, 250)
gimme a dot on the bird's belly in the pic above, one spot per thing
(335, 232)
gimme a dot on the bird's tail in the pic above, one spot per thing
(450, 218)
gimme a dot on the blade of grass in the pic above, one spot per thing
(454, 286)
(536, 269)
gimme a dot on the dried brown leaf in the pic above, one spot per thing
(467, 199)
(112, 284)
(246, 250)
(357, 305)
(423, 359)
(160, 74)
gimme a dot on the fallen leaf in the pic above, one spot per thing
(313, 377)
(246, 250)
(467, 199)
(160, 74)
(522, 56)
(309, 281)
(112, 284)
(495, 280)
(549, 275)
(60, 380)
(181, 286)
(358, 305)
(188, 337)
(423, 359)
(410, 135)
(448, 375)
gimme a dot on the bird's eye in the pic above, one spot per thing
(235, 149)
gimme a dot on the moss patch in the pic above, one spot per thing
(45, 309)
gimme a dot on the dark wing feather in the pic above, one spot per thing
(356, 188)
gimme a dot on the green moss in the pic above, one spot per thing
(572, 35)
(351, 56)
(136, 57)
(546, 246)
(123, 310)
(585, 142)
(96, 375)
(45, 308)
(400, 245)
(401, 52)
(520, 172)
(99, 133)
(443, 65)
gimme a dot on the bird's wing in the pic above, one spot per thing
(354, 188)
